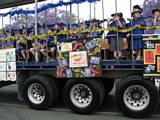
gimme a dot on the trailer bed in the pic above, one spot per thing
(106, 65)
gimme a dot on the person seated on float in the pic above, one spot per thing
(81, 27)
(12, 42)
(38, 45)
(60, 30)
(42, 42)
(4, 42)
(2, 37)
(94, 27)
(73, 29)
(29, 33)
(52, 42)
(21, 44)
(138, 22)
(153, 21)
(115, 37)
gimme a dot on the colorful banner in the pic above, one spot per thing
(151, 56)
(7, 65)
(79, 61)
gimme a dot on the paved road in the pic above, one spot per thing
(12, 109)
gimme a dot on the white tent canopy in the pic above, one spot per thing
(13, 3)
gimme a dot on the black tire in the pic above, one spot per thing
(102, 93)
(149, 87)
(108, 85)
(97, 96)
(55, 89)
(50, 91)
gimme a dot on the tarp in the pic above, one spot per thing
(45, 7)
(13, 3)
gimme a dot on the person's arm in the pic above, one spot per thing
(121, 24)
(155, 21)
(108, 23)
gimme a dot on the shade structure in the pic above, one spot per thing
(13, 3)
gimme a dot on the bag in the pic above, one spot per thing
(125, 43)
(104, 44)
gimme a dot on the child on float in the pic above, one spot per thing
(73, 35)
(34, 46)
(52, 42)
(22, 44)
(38, 44)
(42, 42)
(153, 21)
(138, 32)
(81, 28)
(93, 27)
(60, 28)
(116, 40)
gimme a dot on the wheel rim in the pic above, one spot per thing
(136, 97)
(81, 95)
(36, 93)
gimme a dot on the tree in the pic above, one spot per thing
(149, 5)
(49, 16)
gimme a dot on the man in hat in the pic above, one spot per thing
(153, 21)
(137, 22)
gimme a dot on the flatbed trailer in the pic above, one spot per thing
(40, 84)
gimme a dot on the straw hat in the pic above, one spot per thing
(136, 10)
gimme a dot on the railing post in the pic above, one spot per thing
(36, 29)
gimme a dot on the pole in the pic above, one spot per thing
(2, 30)
(90, 12)
(46, 22)
(131, 31)
(94, 9)
(78, 13)
(27, 57)
(103, 37)
(10, 30)
(70, 22)
(103, 11)
(55, 15)
(36, 29)
(116, 7)
(66, 17)
(10, 22)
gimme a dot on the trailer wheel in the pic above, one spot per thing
(82, 96)
(40, 92)
(136, 98)
(102, 92)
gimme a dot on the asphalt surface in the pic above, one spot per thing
(13, 109)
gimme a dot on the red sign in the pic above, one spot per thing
(158, 64)
(157, 49)
(149, 56)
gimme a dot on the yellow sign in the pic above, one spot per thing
(78, 59)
